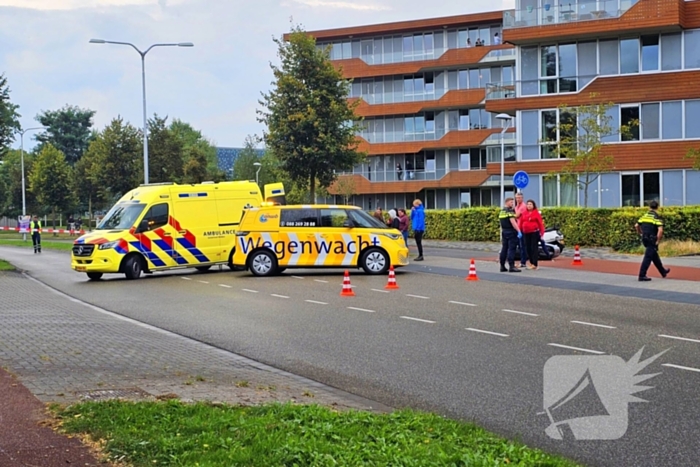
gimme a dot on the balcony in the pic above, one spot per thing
(573, 12)
(504, 90)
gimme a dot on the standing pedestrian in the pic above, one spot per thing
(532, 227)
(418, 223)
(393, 221)
(403, 225)
(520, 209)
(35, 227)
(379, 215)
(651, 227)
(510, 234)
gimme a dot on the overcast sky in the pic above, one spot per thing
(215, 86)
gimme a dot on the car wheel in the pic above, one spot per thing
(374, 261)
(263, 263)
(203, 268)
(133, 268)
(93, 276)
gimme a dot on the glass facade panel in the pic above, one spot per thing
(650, 53)
(651, 187)
(692, 117)
(548, 61)
(464, 160)
(549, 192)
(631, 190)
(650, 121)
(672, 120)
(628, 115)
(587, 62)
(629, 56)
(609, 55)
(671, 51)
(692, 46)
(529, 71)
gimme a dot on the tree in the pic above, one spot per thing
(244, 167)
(164, 152)
(194, 144)
(69, 130)
(345, 187)
(50, 180)
(581, 131)
(84, 186)
(195, 169)
(9, 118)
(11, 170)
(117, 155)
(310, 122)
(694, 154)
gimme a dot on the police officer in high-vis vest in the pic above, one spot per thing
(651, 228)
(510, 233)
(35, 227)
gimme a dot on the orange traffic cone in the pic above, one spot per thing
(472, 272)
(392, 279)
(347, 288)
(577, 258)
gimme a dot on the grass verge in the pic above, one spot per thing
(64, 246)
(201, 434)
(5, 266)
(670, 248)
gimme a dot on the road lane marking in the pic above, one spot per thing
(319, 280)
(520, 312)
(279, 296)
(297, 277)
(487, 332)
(361, 309)
(681, 367)
(679, 338)
(379, 290)
(224, 285)
(594, 324)
(576, 348)
(418, 319)
(186, 278)
(418, 296)
(462, 303)
(203, 282)
(318, 303)
(251, 291)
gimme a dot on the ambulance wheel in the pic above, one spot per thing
(374, 261)
(203, 268)
(93, 276)
(132, 268)
(262, 263)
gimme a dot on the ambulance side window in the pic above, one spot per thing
(299, 218)
(157, 216)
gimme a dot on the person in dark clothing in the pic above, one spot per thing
(651, 227)
(35, 227)
(510, 234)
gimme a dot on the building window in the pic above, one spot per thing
(629, 116)
(641, 189)
(650, 121)
(464, 198)
(558, 193)
(464, 160)
(558, 69)
(650, 53)
(551, 132)
(629, 56)
(430, 161)
(477, 158)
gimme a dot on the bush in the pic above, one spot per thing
(584, 227)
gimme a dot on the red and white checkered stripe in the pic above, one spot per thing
(68, 231)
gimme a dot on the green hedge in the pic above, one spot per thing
(585, 227)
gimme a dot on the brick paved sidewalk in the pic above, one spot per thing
(64, 351)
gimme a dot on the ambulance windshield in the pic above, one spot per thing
(362, 219)
(121, 217)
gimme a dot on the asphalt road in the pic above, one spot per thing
(470, 350)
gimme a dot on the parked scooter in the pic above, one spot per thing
(551, 245)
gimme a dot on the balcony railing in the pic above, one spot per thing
(537, 87)
(502, 90)
(557, 13)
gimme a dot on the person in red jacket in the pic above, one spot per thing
(532, 227)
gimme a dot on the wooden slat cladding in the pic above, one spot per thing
(655, 155)
(618, 89)
(690, 18)
(452, 99)
(400, 27)
(456, 179)
(453, 139)
(646, 15)
(356, 68)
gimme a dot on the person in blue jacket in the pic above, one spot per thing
(418, 225)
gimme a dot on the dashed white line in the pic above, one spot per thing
(576, 348)
(594, 324)
(679, 338)
(298, 277)
(380, 290)
(319, 280)
(224, 285)
(487, 332)
(462, 303)
(185, 278)
(418, 319)
(361, 309)
(418, 296)
(318, 303)
(520, 312)
(278, 296)
(681, 367)
(249, 290)
(203, 282)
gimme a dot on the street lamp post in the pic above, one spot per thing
(21, 158)
(143, 82)
(259, 166)
(508, 118)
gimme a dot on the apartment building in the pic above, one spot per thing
(441, 96)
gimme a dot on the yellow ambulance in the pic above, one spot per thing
(164, 226)
(273, 238)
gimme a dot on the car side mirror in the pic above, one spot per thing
(348, 223)
(143, 226)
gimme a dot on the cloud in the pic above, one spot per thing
(342, 5)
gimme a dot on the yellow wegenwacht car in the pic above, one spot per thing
(273, 238)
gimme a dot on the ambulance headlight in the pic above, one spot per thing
(108, 245)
